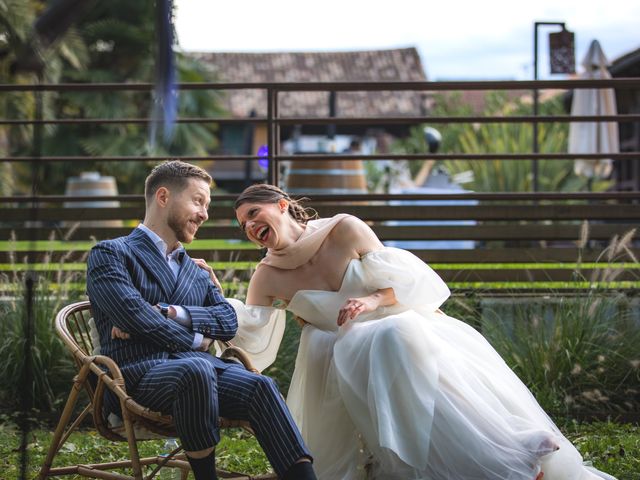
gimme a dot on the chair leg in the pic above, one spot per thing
(133, 446)
(63, 422)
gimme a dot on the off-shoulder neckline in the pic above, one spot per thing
(344, 277)
(351, 262)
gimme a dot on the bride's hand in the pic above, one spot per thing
(355, 306)
(200, 262)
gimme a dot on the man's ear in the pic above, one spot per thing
(162, 196)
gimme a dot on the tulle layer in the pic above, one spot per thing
(408, 393)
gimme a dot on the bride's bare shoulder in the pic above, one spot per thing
(353, 231)
(349, 224)
(264, 272)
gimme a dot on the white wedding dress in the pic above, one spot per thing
(406, 392)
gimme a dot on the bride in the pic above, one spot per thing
(386, 385)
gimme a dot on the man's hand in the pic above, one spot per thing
(117, 333)
(200, 262)
(205, 345)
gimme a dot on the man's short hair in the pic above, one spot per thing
(174, 175)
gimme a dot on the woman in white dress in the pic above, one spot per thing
(387, 386)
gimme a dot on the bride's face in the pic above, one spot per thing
(263, 223)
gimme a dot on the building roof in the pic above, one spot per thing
(363, 66)
(628, 65)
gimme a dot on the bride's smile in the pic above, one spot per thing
(266, 224)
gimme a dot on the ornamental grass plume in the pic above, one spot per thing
(578, 355)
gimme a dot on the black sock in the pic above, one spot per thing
(300, 471)
(204, 468)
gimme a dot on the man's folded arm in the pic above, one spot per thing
(216, 319)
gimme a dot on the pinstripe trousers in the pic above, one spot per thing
(195, 393)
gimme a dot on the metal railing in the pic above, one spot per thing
(274, 120)
(612, 210)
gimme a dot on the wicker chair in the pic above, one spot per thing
(97, 372)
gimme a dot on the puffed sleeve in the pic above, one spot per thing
(414, 283)
(260, 331)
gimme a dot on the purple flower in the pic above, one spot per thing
(263, 151)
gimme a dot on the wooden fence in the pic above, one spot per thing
(517, 246)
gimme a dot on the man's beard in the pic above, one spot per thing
(179, 227)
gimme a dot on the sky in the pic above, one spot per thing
(456, 40)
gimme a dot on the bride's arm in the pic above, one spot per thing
(356, 234)
(258, 284)
(260, 329)
(259, 291)
(202, 263)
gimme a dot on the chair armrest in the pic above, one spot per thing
(114, 381)
(112, 377)
(231, 351)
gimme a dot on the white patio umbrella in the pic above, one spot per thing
(594, 137)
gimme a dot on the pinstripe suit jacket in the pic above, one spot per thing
(126, 276)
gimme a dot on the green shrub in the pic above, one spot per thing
(50, 364)
(577, 355)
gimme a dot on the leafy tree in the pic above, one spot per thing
(121, 40)
(20, 64)
(487, 138)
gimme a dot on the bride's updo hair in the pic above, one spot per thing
(265, 193)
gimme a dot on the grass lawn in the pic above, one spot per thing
(237, 451)
(615, 448)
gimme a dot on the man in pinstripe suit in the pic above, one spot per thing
(157, 313)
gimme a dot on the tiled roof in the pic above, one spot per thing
(364, 66)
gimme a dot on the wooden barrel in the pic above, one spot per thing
(92, 184)
(326, 177)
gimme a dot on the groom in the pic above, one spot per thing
(157, 313)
